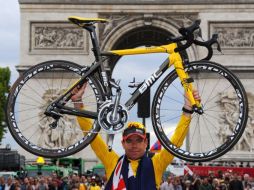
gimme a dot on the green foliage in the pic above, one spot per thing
(5, 74)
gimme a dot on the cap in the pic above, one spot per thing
(134, 128)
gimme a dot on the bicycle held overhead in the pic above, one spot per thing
(42, 118)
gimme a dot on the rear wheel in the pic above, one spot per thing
(218, 129)
(30, 96)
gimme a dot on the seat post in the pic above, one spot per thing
(96, 48)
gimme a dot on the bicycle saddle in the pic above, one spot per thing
(80, 21)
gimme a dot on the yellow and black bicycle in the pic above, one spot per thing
(43, 119)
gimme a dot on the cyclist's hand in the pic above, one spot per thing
(187, 104)
(77, 95)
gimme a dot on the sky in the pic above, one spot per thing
(9, 35)
(9, 40)
(141, 67)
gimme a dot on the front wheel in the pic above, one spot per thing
(212, 133)
(30, 96)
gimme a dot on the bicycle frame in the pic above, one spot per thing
(174, 59)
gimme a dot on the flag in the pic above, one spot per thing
(156, 147)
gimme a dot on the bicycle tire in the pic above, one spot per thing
(225, 115)
(28, 99)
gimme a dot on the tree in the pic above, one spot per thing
(5, 74)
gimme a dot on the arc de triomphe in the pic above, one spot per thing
(129, 22)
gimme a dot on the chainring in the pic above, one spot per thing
(105, 120)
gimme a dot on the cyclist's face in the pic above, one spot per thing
(134, 147)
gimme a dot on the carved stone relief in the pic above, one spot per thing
(67, 131)
(227, 117)
(58, 38)
(234, 36)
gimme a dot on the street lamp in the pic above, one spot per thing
(40, 162)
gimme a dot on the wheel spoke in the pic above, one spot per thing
(173, 118)
(208, 129)
(33, 124)
(29, 118)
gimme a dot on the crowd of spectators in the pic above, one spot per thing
(222, 181)
(54, 182)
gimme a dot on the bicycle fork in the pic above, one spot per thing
(186, 81)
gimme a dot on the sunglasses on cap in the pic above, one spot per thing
(134, 131)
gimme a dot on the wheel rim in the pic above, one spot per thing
(30, 125)
(208, 137)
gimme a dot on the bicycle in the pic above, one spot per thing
(41, 97)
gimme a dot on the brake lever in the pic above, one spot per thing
(215, 41)
(218, 47)
(199, 34)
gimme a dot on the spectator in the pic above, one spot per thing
(2, 183)
(211, 176)
(104, 182)
(205, 185)
(196, 183)
(9, 185)
(168, 185)
(225, 183)
(235, 184)
(220, 175)
(64, 184)
(82, 184)
(74, 181)
(42, 184)
(53, 185)
(17, 184)
(56, 178)
(26, 184)
(216, 184)
(246, 181)
(88, 181)
(34, 183)
(177, 184)
(94, 185)
(188, 185)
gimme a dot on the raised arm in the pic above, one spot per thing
(108, 158)
(164, 158)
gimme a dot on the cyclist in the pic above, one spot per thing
(134, 170)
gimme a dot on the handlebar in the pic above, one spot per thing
(188, 36)
(208, 44)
